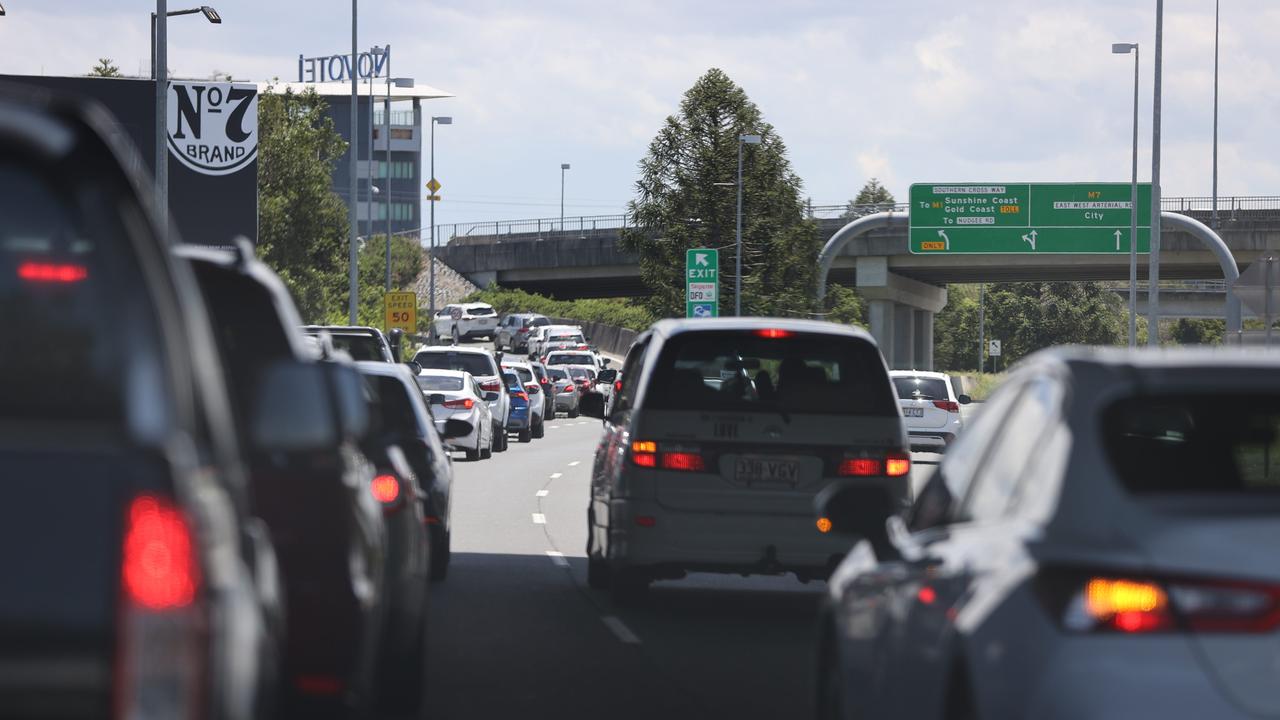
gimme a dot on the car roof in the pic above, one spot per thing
(678, 326)
(453, 349)
(1156, 358)
(343, 329)
(516, 363)
(445, 373)
(919, 373)
(386, 369)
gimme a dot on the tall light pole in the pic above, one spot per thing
(377, 51)
(386, 131)
(431, 288)
(209, 13)
(1153, 275)
(353, 272)
(563, 168)
(160, 75)
(743, 140)
(1124, 49)
(1215, 115)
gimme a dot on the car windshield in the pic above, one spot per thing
(442, 383)
(1221, 444)
(570, 359)
(537, 322)
(474, 363)
(915, 387)
(771, 371)
(360, 347)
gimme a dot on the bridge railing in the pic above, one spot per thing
(1230, 209)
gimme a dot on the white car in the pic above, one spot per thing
(462, 321)
(725, 432)
(567, 334)
(576, 357)
(930, 408)
(482, 365)
(537, 406)
(565, 389)
(455, 394)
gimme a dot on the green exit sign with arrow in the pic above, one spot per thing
(701, 283)
(1026, 218)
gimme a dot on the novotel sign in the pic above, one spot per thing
(337, 68)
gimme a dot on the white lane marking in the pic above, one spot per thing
(584, 423)
(621, 631)
(539, 519)
(541, 493)
(556, 476)
(558, 558)
(572, 464)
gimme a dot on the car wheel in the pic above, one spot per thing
(597, 568)
(504, 442)
(540, 429)
(627, 586)
(831, 689)
(573, 413)
(486, 452)
(440, 555)
(525, 435)
(473, 455)
(495, 442)
(403, 679)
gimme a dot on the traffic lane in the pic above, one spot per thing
(687, 652)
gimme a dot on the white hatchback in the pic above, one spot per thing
(930, 408)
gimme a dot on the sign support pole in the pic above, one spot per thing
(353, 280)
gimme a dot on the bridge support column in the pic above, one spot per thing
(901, 313)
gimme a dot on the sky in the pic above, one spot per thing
(997, 91)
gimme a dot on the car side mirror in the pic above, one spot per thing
(592, 405)
(292, 412)
(858, 510)
(492, 395)
(351, 399)
(964, 399)
(607, 376)
(435, 399)
(606, 362)
(455, 428)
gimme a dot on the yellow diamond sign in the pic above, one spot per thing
(433, 185)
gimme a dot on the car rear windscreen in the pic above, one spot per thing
(771, 370)
(581, 372)
(1219, 443)
(360, 347)
(477, 365)
(440, 383)
(525, 375)
(570, 359)
(920, 388)
(537, 322)
(477, 311)
(557, 374)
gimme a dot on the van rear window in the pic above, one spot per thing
(474, 363)
(1218, 444)
(788, 372)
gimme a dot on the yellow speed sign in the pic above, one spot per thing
(402, 311)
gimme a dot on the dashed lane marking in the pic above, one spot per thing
(574, 463)
(539, 519)
(542, 493)
(558, 558)
(620, 630)
(556, 476)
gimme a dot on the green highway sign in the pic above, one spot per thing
(701, 283)
(1053, 218)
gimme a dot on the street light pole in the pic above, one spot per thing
(743, 140)
(1215, 114)
(431, 305)
(353, 280)
(1153, 275)
(209, 13)
(386, 132)
(161, 73)
(1123, 49)
(563, 167)
(369, 159)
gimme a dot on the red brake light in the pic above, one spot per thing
(617, 385)
(773, 333)
(532, 388)
(948, 405)
(52, 272)
(491, 386)
(385, 488)
(859, 467)
(522, 331)
(463, 404)
(160, 568)
(644, 453)
(687, 461)
(1101, 603)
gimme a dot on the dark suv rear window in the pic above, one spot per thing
(474, 363)
(758, 371)
(1221, 444)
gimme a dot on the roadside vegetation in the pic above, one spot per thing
(621, 312)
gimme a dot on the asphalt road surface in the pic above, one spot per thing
(517, 633)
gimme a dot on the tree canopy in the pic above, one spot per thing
(686, 198)
(105, 68)
(869, 198)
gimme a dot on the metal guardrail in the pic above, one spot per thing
(1230, 209)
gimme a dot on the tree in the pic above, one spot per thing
(682, 203)
(406, 264)
(873, 197)
(1187, 331)
(844, 305)
(105, 68)
(302, 223)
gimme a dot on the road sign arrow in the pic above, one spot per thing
(943, 234)
(1118, 240)
(700, 258)
(1030, 238)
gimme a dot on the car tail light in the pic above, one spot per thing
(386, 488)
(948, 405)
(646, 521)
(491, 386)
(463, 404)
(163, 635)
(644, 453)
(52, 272)
(683, 460)
(521, 394)
(617, 385)
(584, 347)
(773, 333)
(319, 684)
(1107, 602)
(532, 388)
(522, 331)
(894, 464)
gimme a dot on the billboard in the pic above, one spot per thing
(212, 137)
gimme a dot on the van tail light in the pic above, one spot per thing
(893, 464)
(163, 630)
(42, 272)
(950, 406)
(491, 385)
(646, 453)
(463, 404)
(386, 490)
(682, 460)
(1108, 602)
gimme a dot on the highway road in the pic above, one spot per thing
(517, 633)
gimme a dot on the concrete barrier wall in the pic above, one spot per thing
(611, 339)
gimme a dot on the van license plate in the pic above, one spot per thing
(913, 412)
(751, 469)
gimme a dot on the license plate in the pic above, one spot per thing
(765, 469)
(913, 412)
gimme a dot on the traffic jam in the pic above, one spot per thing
(215, 511)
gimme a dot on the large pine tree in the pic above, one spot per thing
(686, 198)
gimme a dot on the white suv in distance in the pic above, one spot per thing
(930, 408)
(463, 321)
(723, 434)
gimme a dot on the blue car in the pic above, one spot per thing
(518, 421)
